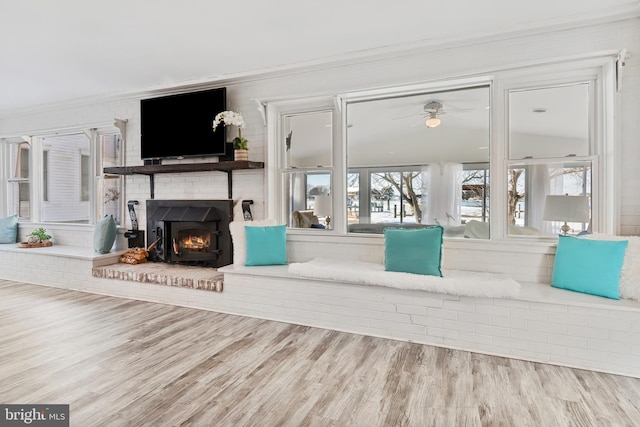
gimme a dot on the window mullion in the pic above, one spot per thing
(94, 160)
(36, 175)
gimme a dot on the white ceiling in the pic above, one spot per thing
(54, 51)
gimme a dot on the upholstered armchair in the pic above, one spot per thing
(304, 219)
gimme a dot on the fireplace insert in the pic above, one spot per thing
(190, 232)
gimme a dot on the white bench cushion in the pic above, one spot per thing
(475, 284)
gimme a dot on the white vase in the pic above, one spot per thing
(239, 155)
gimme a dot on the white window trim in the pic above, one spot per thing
(606, 158)
(276, 167)
(599, 72)
(36, 182)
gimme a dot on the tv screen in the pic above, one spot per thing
(178, 126)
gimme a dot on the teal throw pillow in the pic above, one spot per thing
(589, 266)
(9, 229)
(104, 234)
(417, 251)
(266, 245)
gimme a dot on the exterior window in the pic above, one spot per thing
(475, 193)
(387, 196)
(529, 186)
(307, 191)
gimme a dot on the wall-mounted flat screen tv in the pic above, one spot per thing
(177, 126)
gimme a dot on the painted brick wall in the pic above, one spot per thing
(404, 67)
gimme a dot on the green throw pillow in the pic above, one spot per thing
(104, 235)
(266, 245)
(9, 229)
(589, 266)
(417, 251)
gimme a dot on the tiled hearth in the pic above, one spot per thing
(204, 278)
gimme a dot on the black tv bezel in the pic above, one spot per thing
(219, 148)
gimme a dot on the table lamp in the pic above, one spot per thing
(566, 209)
(322, 207)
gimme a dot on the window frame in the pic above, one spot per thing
(277, 206)
(605, 157)
(37, 179)
(6, 190)
(599, 72)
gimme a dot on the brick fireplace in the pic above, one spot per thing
(190, 232)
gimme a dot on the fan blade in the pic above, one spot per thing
(410, 116)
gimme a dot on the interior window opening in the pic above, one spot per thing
(419, 160)
(308, 169)
(19, 184)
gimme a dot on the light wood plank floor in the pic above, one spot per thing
(119, 362)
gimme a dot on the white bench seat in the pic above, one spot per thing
(65, 251)
(541, 323)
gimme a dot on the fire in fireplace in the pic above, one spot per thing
(192, 243)
(191, 232)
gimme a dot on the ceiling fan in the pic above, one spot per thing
(434, 110)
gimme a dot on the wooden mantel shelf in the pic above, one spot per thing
(188, 167)
(151, 170)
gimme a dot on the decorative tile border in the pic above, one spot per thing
(204, 278)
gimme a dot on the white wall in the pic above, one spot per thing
(525, 261)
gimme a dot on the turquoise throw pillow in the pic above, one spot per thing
(589, 266)
(9, 229)
(104, 234)
(266, 245)
(417, 251)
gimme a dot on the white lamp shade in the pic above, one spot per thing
(566, 208)
(432, 122)
(322, 205)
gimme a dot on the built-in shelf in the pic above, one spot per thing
(151, 170)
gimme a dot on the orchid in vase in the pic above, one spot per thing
(232, 118)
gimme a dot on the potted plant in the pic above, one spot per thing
(240, 148)
(39, 235)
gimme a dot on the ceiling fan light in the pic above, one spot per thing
(433, 122)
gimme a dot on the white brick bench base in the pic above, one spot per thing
(543, 324)
(57, 265)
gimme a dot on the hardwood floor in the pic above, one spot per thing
(120, 362)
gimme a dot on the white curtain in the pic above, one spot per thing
(298, 192)
(539, 187)
(443, 189)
